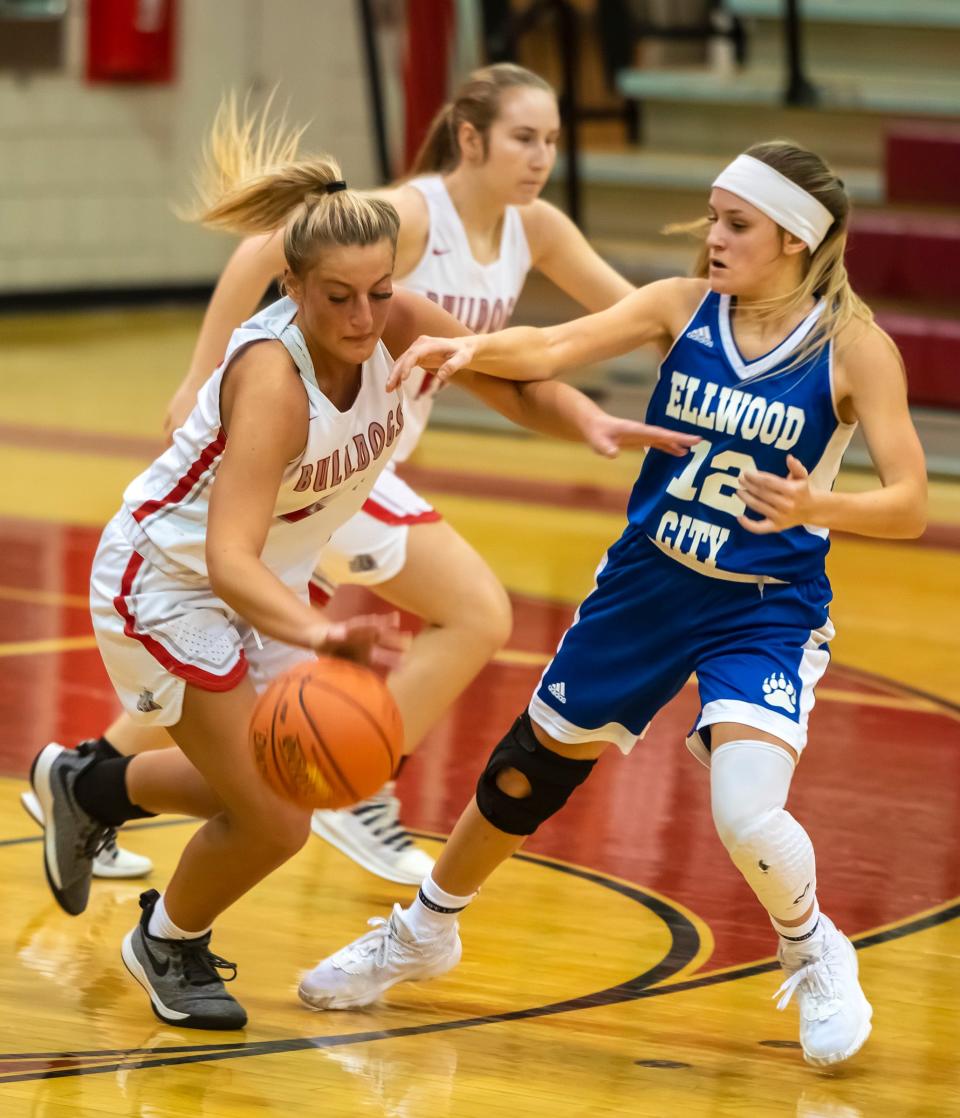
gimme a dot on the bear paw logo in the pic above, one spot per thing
(780, 692)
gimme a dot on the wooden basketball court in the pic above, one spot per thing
(617, 967)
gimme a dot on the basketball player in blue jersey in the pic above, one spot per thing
(771, 359)
(199, 586)
(471, 228)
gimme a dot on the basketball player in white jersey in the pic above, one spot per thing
(471, 227)
(199, 589)
(772, 360)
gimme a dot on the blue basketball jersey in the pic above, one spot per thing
(750, 416)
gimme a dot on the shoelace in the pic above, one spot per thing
(374, 943)
(818, 978)
(201, 966)
(382, 816)
(98, 838)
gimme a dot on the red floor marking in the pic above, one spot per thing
(101, 444)
(877, 788)
(596, 498)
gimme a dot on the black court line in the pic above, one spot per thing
(684, 945)
(127, 827)
(903, 688)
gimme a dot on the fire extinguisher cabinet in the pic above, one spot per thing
(130, 40)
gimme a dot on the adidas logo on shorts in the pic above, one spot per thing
(702, 335)
(558, 691)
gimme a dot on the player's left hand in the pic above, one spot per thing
(608, 435)
(783, 502)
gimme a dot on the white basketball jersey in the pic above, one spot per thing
(164, 512)
(481, 296)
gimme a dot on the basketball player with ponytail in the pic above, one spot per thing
(772, 360)
(471, 227)
(199, 588)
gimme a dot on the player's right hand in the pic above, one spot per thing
(441, 356)
(373, 639)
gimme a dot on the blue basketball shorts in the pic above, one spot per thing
(650, 623)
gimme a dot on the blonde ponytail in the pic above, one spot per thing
(253, 182)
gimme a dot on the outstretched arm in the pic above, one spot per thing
(654, 313)
(553, 408)
(547, 407)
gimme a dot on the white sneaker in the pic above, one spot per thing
(359, 973)
(834, 1011)
(112, 861)
(372, 835)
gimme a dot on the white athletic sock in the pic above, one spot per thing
(800, 933)
(433, 910)
(162, 927)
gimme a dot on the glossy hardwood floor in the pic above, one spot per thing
(619, 966)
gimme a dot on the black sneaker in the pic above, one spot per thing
(71, 837)
(180, 975)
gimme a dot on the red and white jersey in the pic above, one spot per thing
(481, 296)
(164, 512)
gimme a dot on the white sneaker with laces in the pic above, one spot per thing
(834, 1011)
(372, 835)
(359, 973)
(112, 861)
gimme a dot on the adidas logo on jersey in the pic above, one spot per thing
(558, 691)
(702, 335)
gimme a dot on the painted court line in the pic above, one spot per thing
(564, 494)
(510, 657)
(43, 597)
(47, 645)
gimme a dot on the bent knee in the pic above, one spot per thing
(749, 784)
(525, 783)
(491, 617)
(292, 833)
(513, 783)
(483, 615)
(736, 829)
(282, 833)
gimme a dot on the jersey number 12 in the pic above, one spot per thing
(719, 487)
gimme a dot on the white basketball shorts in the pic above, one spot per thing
(157, 634)
(372, 546)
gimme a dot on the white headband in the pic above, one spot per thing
(789, 205)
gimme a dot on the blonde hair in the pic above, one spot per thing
(825, 276)
(476, 102)
(252, 182)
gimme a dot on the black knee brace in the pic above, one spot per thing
(552, 779)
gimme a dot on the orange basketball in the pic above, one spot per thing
(327, 733)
